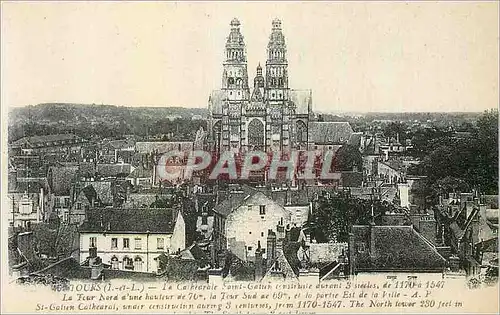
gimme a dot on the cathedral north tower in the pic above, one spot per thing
(276, 65)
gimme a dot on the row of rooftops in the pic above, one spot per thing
(136, 220)
(48, 140)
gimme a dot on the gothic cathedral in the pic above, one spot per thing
(268, 117)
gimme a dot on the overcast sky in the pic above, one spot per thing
(357, 56)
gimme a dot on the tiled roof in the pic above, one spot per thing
(60, 178)
(30, 187)
(141, 172)
(237, 199)
(34, 140)
(194, 252)
(86, 169)
(282, 269)
(89, 193)
(141, 200)
(104, 191)
(396, 248)
(113, 170)
(326, 252)
(120, 144)
(153, 220)
(234, 201)
(329, 132)
(163, 146)
(302, 99)
(287, 197)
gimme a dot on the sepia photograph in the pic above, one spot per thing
(249, 157)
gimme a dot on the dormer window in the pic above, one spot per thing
(262, 209)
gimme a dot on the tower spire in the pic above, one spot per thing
(276, 64)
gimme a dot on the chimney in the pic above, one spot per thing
(271, 247)
(427, 227)
(404, 198)
(280, 237)
(258, 263)
(41, 206)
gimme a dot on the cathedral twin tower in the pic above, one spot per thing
(268, 117)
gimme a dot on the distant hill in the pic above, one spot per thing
(55, 112)
(101, 120)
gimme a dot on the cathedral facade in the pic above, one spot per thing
(270, 116)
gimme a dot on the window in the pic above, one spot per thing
(249, 248)
(126, 243)
(204, 220)
(138, 263)
(93, 241)
(138, 243)
(114, 243)
(79, 206)
(249, 207)
(160, 243)
(261, 233)
(128, 263)
(262, 210)
(114, 263)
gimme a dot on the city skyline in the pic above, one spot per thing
(360, 58)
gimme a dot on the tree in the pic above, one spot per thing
(395, 130)
(333, 217)
(452, 163)
(347, 158)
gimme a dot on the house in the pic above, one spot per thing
(29, 200)
(93, 194)
(141, 176)
(27, 207)
(163, 146)
(204, 203)
(391, 171)
(243, 220)
(328, 135)
(131, 239)
(61, 179)
(112, 171)
(57, 143)
(86, 199)
(116, 151)
(392, 249)
(295, 201)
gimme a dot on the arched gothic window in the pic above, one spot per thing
(138, 263)
(255, 133)
(301, 131)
